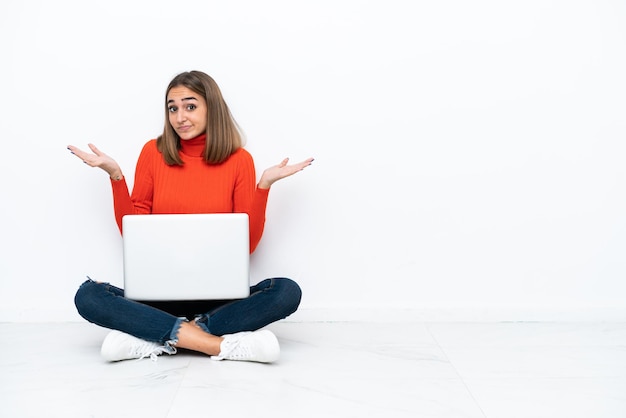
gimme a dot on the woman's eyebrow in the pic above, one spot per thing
(183, 99)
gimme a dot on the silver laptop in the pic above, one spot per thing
(186, 257)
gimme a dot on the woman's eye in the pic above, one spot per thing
(172, 109)
(191, 107)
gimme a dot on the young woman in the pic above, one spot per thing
(198, 165)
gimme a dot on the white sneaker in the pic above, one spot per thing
(120, 346)
(261, 346)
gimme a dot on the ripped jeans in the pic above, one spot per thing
(105, 305)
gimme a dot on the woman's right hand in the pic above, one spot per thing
(98, 159)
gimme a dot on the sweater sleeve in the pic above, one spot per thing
(257, 217)
(250, 199)
(141, 200)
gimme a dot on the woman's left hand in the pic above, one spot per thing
(280, 171)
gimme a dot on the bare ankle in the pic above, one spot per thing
(192, 337)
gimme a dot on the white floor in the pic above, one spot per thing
(492, 370)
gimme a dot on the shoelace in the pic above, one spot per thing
(147, 349)
(238, 351)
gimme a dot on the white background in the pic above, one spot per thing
(469, 155)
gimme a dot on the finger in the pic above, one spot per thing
(76, 151)
(73, 149)
(95, 150)
(283, 162)
(304, 163)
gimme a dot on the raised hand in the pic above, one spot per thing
(98, 159)
(280, 171)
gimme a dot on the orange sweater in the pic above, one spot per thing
(195, 187)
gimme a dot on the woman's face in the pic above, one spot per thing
(187, 112)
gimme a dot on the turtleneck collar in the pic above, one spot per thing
(193, 147)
